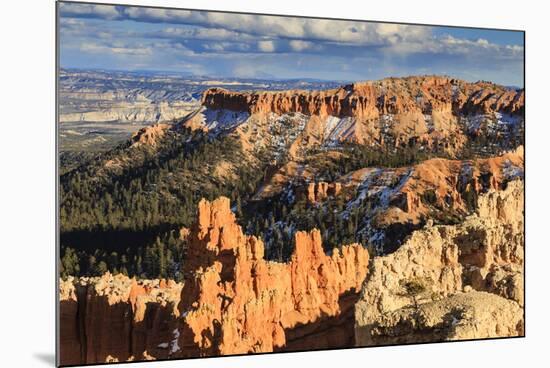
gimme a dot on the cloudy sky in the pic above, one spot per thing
(253, 46)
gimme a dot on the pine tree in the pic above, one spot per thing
(70, 263)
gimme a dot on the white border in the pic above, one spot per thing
(27, 181)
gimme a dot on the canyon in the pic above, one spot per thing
(374, 213)
(436, 286)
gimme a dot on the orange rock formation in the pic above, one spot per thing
(371, 99)
(236, 302)
(320, 191)
(452, 180)
(149, 135)
(233, 300)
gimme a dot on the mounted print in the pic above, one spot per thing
(236, 183)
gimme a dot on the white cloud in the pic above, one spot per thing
(302, 33)
(266, 46)
(95, 48)
(480, 49)
(219, 34)
(72, 23)
(299, 45)
(89, 10)
(215, 46)
(260, 25)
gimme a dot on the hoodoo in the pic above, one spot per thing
(235, 302)
(450, 282)
(232, 300)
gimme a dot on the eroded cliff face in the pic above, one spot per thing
(417, 292)
(236, 302)
(115, 318)
(431, 114)
(437, 186)
(424, 95)
(232, 301)
(432, 111)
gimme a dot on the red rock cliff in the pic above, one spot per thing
(236, 302)
(233, 300)
(115, 318)
(372, 99)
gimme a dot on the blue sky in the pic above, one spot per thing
(256, 46)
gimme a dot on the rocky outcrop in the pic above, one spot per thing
(149, 136)
(319, 191)
(234, 301)
(454, 184)
(492, 249)
(436, 265)
(462, 316)
(115, 318)
(422, 95)
(398, 201)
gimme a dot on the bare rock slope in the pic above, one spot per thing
(434, 287)
(430, 110)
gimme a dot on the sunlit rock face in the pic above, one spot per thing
(234, 301)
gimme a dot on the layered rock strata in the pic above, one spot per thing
(423, 95)
(431, 112)
(449, 185)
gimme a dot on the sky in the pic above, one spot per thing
(216, 44)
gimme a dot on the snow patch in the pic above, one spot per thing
(174, 347)
(511, 171)
(338, 129)
(223, 119)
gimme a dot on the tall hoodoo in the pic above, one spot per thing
(236, 302)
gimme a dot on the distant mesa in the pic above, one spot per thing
(375, 98)
(435, 112)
